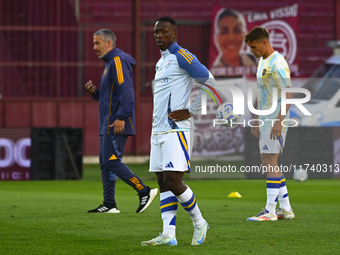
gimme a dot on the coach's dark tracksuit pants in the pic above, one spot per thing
(110, 157)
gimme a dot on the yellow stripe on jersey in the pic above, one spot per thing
(269, 96)
(131, 123)
(108, 120)
(280, 81)
(119, 69)
(184, 56)
(187, 54)
(283, 180)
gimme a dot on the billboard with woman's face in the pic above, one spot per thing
(229, 32)
(229, 56)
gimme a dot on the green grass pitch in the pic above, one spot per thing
(50, 217)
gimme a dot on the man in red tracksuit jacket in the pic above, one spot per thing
(116, 121)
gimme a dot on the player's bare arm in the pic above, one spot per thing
(255, 130)
(277, 127)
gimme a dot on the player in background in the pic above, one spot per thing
(172, 137)
(116, 121)
(272, 72)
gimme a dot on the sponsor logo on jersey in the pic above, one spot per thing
(259, 86)
(162, 80)
(167, 64)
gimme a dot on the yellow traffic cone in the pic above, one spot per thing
(234, 194)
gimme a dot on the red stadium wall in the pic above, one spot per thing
(46, 58)
(76, 113)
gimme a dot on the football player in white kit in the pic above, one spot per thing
(272, 72)
(171, 147)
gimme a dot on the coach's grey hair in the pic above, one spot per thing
(229, 13)
(107, 35)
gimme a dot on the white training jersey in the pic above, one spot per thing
(272, 72)
(176, 71)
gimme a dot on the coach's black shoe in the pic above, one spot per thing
(146, 199)
(105, 209)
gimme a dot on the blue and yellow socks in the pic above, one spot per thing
(168, 206)
(188, 201)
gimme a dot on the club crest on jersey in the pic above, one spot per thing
(167, 64)
(264, 71)
(105, 71)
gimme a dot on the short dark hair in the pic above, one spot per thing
(170, 20)
(257, 33)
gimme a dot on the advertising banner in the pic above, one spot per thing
(229, 56)
(15, 144)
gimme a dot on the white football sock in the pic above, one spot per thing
(283, 195)
(273, 187)
(188, 201)
(168, 206)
